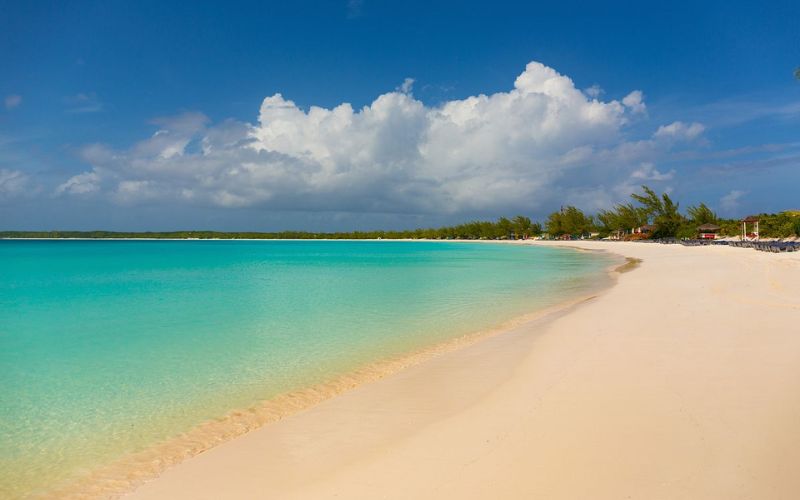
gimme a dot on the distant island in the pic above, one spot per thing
(658, 213)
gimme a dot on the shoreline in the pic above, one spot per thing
(131, 471)
(684, 390)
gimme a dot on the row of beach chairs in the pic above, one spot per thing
(768, 246)
(762, 246)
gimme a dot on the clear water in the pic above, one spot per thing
(107, 347)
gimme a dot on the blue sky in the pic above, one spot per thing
(166, 115)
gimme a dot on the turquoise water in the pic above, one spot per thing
(107, 347)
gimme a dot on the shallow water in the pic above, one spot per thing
(107, 347)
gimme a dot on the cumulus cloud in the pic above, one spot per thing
(635, 102)
(680, 131)
(12, 101)
(541, 140)
(648, 172)
(595, 91)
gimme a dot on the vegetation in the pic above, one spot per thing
(571, 221)
(622, 217)
(701, 214)
(647, 207)
(518, 227)
(663, 213)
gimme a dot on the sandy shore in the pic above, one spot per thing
(682, 381)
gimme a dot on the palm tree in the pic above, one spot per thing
(797, 73)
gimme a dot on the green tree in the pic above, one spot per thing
(553, 224)
(569, 220)
(504, 227)
(522, 226)
(701, 214)
(576, 222)
(622, 217)
(652, 205)
(662, 211)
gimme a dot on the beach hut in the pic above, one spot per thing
(753, 235)
(708, 231)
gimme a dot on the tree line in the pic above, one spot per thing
(645, 208)
(504, 228)
(663, 214)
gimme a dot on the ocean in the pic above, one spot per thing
(108, 348)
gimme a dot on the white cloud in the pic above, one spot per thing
(406, 86)
(730, 202)
(12, 101)
(539, 141)
(595, 91)
(648, 172)
(680, 131)
(85, 183)
(12, 183)
(635, 101)
(135, 191)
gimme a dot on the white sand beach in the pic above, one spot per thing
(682, 381)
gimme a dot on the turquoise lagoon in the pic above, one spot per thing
(108, 347)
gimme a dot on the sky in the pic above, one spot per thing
(359, 114)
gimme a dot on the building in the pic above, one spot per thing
(708, 231)
(752, 235)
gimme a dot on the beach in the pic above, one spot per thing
(346, 250)
(680, 381)
(123, 358)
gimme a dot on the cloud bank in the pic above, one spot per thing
(540, 141)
